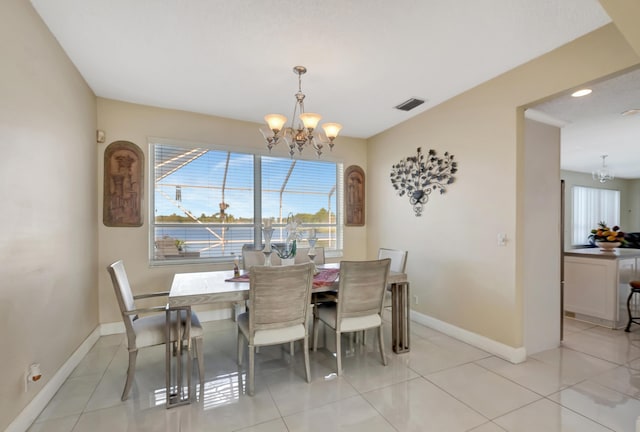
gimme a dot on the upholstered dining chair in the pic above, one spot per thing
(398, 259)
(252, 257)
(280, 301)
(150, 329)
(358, 304)
(398, 264)
(302, 256)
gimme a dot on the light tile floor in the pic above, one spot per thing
(591, 383)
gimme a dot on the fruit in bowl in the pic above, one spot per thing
(607, 238)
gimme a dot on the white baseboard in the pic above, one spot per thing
(111, 328)
(513, 355)
(31, 412)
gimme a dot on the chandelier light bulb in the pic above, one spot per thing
(332, 130)
(310, 120)
(275, 122)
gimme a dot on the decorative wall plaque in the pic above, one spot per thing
(417, 177)
(354, 196)
(123, 185)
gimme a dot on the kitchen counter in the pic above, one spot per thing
(596, 284)
(597, 253)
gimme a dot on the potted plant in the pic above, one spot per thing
(607, 238)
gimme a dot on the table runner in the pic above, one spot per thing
(324, 278)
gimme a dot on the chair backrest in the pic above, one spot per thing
(302, 256)
(398, 259)
(124, 295)
(362, 287)
(279, 296)
(251, 257)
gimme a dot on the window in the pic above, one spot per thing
(209, 203)
(590, 206)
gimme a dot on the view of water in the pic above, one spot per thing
(216, 242)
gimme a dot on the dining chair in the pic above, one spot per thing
(150, 329)
(302, 256)
(280, 301)
(358, 304)
(398, 265)
(252, 257)
(398, 259)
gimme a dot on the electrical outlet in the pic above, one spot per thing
(415, 299)
(32, 375)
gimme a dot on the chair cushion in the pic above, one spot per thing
(271, 336)
(327, 314)
(635, 284)
(150, 330)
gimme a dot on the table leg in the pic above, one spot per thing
(176, 394)
(400, 317)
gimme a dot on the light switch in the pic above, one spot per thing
(502, 239)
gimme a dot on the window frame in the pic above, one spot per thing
(257, 155)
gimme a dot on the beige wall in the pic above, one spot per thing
(457, 270)
(136, 123)
(48, 246)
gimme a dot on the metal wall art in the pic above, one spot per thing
(418, 176)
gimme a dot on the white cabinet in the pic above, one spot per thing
(596, 284)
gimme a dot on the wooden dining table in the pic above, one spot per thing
(189, 289)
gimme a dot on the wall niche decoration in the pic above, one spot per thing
(354, 196)
(123, 185)
(418, 176)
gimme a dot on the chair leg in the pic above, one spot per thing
(130, 372)
(632, 319)
(381, 342)
(240, 346)
(315, 334)
(174, 346)
(306, 358)
(292, 348)
(251, 379)
(338, 353)
(200, 356)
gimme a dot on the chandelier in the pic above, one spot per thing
(304, 133)
(603, 174)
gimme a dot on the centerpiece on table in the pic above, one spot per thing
(607, 239)
(287, 253)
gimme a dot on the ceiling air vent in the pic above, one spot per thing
(409, 104)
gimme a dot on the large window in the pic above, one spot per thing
(590, 206)
(209, 203)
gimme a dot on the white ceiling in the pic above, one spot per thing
(593, 126)
(234, 58)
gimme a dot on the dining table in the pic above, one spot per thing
(197, 288)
